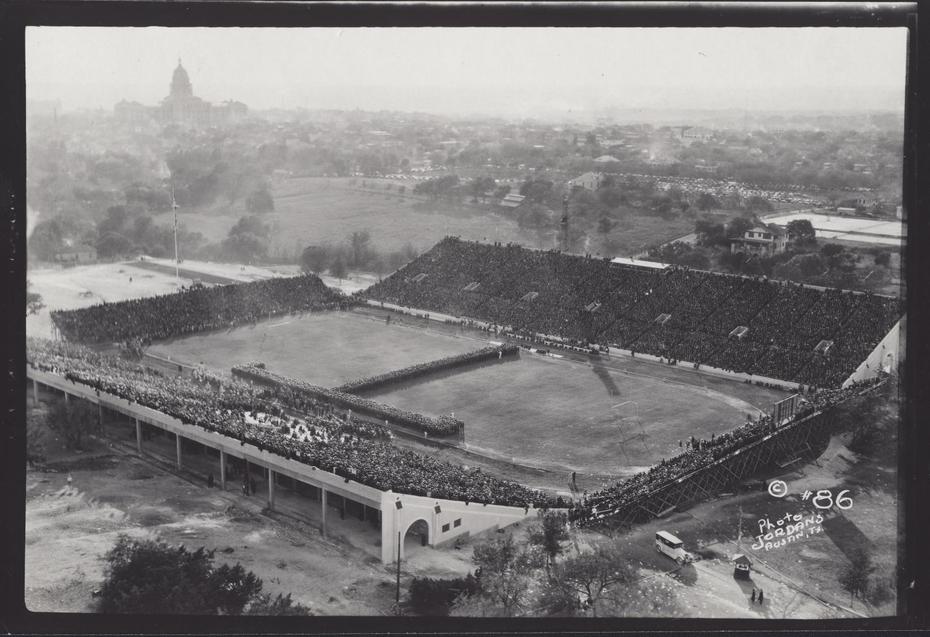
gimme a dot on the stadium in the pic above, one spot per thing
(477, 383)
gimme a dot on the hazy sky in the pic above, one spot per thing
(510, 71)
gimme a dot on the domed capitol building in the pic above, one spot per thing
(182, 107)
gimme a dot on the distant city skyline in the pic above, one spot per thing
(509, 72)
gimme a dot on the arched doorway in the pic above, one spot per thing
(417, 535)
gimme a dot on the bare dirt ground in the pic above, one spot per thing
(69, 529)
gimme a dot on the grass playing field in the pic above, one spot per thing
(593, 417)
(327, 349)
(573, 416)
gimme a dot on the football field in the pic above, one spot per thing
(605, 416)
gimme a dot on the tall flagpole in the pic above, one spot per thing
(177, 272)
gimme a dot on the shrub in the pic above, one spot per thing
(152, 577)
(435, 596)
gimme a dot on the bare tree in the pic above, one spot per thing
(591, 574)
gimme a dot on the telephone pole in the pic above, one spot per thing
(177, 262)
(397, 592)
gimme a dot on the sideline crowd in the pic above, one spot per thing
(141, 321)
(444, 425)
(283, 422)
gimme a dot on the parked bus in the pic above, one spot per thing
(669, 545)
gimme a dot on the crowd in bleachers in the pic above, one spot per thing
(138, 322)
(587, 300)
(698, 454)
(282, 421)
(444, 425)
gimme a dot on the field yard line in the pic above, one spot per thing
(280, 324)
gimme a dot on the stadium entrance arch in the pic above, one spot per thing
(418, 534)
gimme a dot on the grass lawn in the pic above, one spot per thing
(313, 211)
(317, 210)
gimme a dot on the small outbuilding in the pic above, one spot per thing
(742, 565)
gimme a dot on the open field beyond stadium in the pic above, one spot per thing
(314, 211)
(626, 414)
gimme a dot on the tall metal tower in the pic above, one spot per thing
(563, 225)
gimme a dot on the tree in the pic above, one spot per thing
(115, 221)
(854, 578)
(501, 191)
(436, 596)
(73, 419)
(537, 190)
(358, 243)
(114, 244)
(338, 267)
(437, 187)
(260, 201)
(46, 239)
(883, 258)
(534, 217)
(801, 231)
(605, 224)
(550, 534)
(758, 204)
(157, 198)
(248, 239)
(315, 259)
(738, 226)
(146, 576)
(709, 233)
(830, 250)
(34, 302)
(654, 597)
(707, 201)
(281, 605)
(480, 185)
(662, 204)
(593, 573)
(809, 264)
(558, 600)
(495, 556)
(504, 569)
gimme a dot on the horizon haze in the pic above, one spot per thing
(507, 72)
